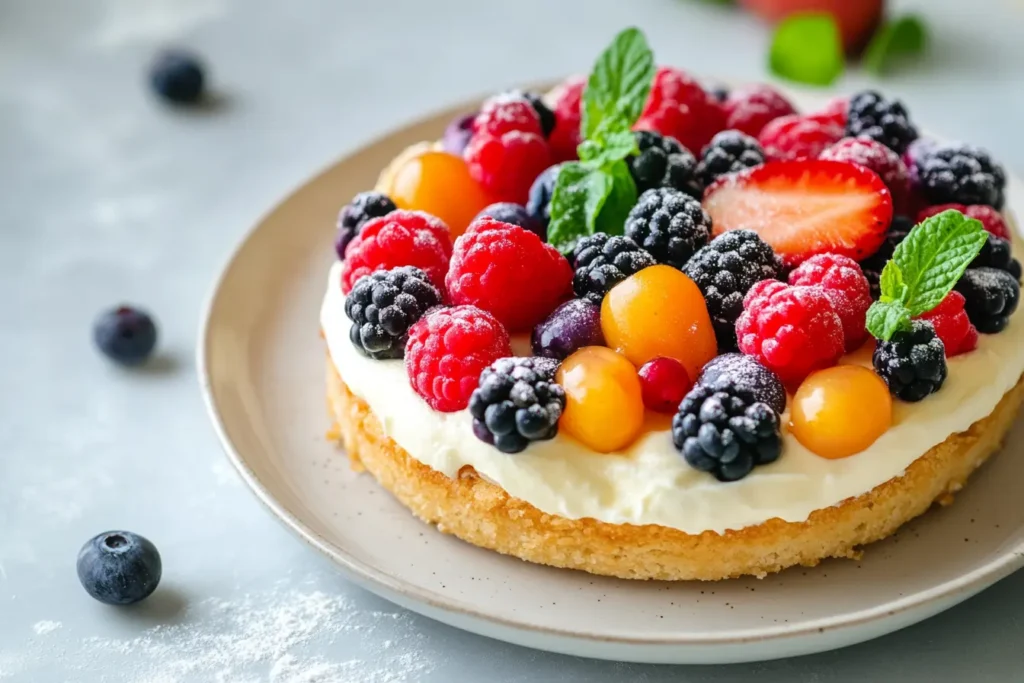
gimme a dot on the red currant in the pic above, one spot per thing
(664, 382)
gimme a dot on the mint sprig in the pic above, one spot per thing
(924, 268)
(807, 48)
(597, 192)
(894, 40)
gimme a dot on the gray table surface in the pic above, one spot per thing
(107, 196)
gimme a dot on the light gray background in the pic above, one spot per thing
(107, 196)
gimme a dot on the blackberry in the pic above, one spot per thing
(538, 204)
(913, 362)
(384, 305)
(601, 262)
(516, 402)
(363, 207)
(886, 121)
(873, 265)
(663, 162)
(992, 296)
(960, 174)
(669, 225)
(178, 77)
(723, 429)
(747, 372)
(544, 113)
(728, 152)
(995, 253)
(724, 271)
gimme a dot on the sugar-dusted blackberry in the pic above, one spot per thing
(728, 152)
(669, 225)
(873, 265)
(663, 162)
(363, 207)
(745, 371)
(384, 305)
(723, 429)
(913, 362)
(724, 271)
(995, 253)
(601, 262)
(538, 203)
(959, 174)
(517, 401)
(991, 295)
(886, 121)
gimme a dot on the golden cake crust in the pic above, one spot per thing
(483, 514)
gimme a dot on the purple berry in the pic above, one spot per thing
(125, 334)
(457, 134)
(516, 214)
(571, 326)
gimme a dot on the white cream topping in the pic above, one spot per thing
(650, 483)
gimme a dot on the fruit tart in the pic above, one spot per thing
(644, 327)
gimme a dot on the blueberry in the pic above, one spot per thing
(571, 326)
(119, 567)
(125, 335)
(457, 134)
(178, 77)
(538, 204)
(516, 214)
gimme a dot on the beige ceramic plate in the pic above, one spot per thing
(261, 369)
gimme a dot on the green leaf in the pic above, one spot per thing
(886, 318)
(934, 255)
(609, 144)
(807, 48)
(891, 283)
(619, 82)
(620, 200)
(897, 38)
(579, 195)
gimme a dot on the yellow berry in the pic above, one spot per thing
(840, 411)
(604, 407)
(438, 183)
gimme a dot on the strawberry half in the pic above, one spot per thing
(804, 208)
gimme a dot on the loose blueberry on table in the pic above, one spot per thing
(722, 250)
(119, 567)
(178, 77)
(126, 335)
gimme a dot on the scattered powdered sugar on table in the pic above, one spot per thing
(264, 639)
(43, 627)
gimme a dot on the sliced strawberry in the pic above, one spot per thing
(804, 208)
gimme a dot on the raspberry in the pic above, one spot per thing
(749, 110)
(876, 157)
(448, 349)
(952, 325)
(509, 272)
(680, 108)
(797, 137)
(846, 287)
(912, 363)
(989, 217)
(506, 165)
(565, 137)
(401, 238)
(506, 113)
(885, 121)
(791, 330)
(834, 112)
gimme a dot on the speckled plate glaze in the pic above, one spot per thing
(261, 370)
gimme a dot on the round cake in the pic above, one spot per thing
(601, 330)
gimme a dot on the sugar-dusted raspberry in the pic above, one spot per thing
(506, 165)
(989, 217)
(750, 109)
(952, 325)
(448, 349)
(566, 99)
(791, 330)
(876, 157)
(798, 137)
(509, 272)
(847, 288)
(834, 111)
(507, 112)
(401, 238)
(680, 108)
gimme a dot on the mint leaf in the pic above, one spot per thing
(620, 199)
(891, 283)
(807, 48)
(895, 39)
(886, 318)
(576, 201)
(619, 82)
(934, 255)
(608, 145)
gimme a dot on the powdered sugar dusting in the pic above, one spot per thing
(45, 627)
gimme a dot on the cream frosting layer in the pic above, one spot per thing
(650, 483)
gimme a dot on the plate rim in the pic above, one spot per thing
(377, 580)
